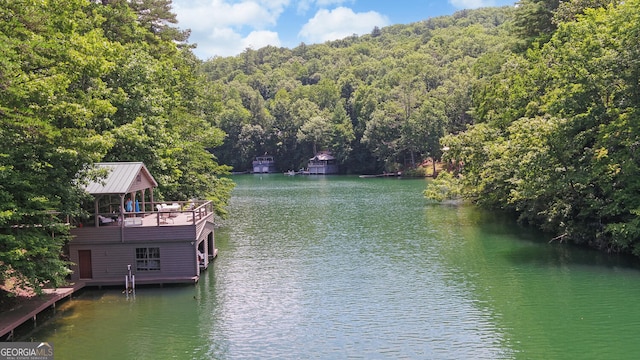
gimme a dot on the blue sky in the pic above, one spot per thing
(227, 27)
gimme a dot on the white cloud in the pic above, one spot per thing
(227, 27)
(203, 15)
(258, 39)
(471, 4)
(227, 42)
(220, 41)
(323, 3)
(305, 5)
(340, 23)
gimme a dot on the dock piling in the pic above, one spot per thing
(129, 281)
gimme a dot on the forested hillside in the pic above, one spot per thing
(556, 131)
(378, 102)
(534, 107)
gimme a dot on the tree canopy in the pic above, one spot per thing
(378, 102)
(83, 82)
(557, 130)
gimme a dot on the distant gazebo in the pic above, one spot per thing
(323, 163)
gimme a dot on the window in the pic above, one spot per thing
(147, 259)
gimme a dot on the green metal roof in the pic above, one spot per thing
(123, 178)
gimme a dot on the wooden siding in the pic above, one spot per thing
(110, 263)
(264, 164)
(175, 229)
(322, 169)
(113, 248)
(116, 234)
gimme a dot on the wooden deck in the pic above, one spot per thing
(165, 225)
(176, 213)
(159, 219)
(28, 310)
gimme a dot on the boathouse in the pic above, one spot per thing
(322, 163)
(129, 231)
(264, 165)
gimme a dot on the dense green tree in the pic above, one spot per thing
(569, 10)
(285, 131)
(383, 133)
(534, 19)
(316, 131)
(342, 134)
(157, 17)
(559, 131)
(50, 97)
(426, 127)
(444, 187)
(83, 82)
(368, 90)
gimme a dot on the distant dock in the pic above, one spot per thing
(393, 174)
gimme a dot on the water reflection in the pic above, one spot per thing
(549, 300)
(342, 267)
(347, 270)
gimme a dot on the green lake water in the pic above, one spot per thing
(340, 267)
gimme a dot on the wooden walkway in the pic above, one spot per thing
(29, 309)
